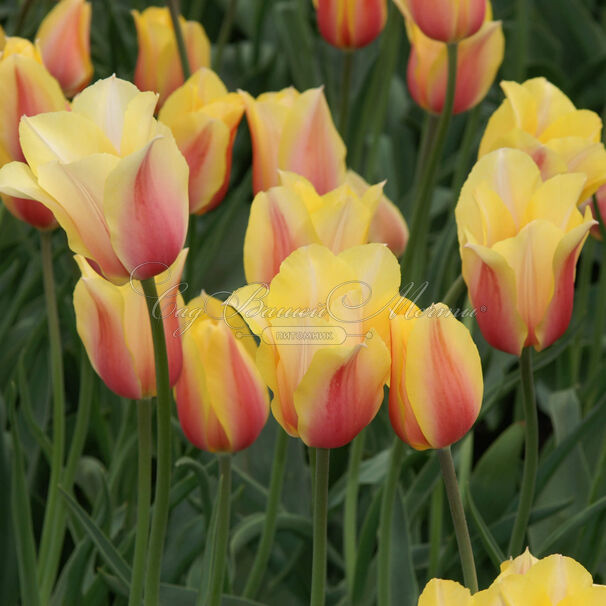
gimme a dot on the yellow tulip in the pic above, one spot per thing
(324, 330)
(439, 592)
(158, 66)
(203, 118)
(538, 118)
(64, 41)
(222, 401)
(112, 176)
(520, 238)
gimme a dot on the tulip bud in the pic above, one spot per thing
(221, 398)
(439, 592)
(294, 132)
(350, 24)
(113, 323)
(323, 324)
(445, 20)
(294, 215)
(520, 238)
(478, 60)
(436, 377)
(158, 66)
(27, 89)
(203, 118)
(538, 118)
(112, 176)
(64, 41)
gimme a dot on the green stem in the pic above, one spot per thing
(257, 571)
(225, 32)
(458, 519)
(52, 531)
(221, 539)
(454, 292)
(414, 258)
(385, 520)
(464, 153)
(320, 520)
(173, 7)
(531, 455)
(163, 468)
(351, 509)
(435, 530)
(348, 59)
(144, 427)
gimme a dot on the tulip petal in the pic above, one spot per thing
(145, 204)
(439, 592)
(551, 102)
(341, 392)
(580, 123)
(590, 596)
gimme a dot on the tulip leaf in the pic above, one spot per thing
(490, 544)
(422, 486)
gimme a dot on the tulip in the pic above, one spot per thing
(445, 20)
(538, 118)
(439, 592)
(158, 66)
(520, 565)
(294, 132)
(436, 377)
(113, 323)
(294, 215)
(388, 226)
(64, 42)
(478, 61)
(221, 398)
(323, 324)
(520, 238)
(112, 176)
(27, 89)
(597, 205)
(350, 24)
(203, 118)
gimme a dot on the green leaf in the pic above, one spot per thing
(404, 586)
(490, 544)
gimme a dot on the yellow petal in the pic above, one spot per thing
(439, 592)
(591, 596)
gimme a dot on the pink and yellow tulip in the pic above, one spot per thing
(436, 377)
(324, 329)
(479, 58)
(27, 89)
(113, 177)
(597, 205)
(158, 66)
(445, 20)
(222, 400)
(350, 24)
(520, 238)
(113, 323)
(204, 118)
(64, 42)
(538, 118)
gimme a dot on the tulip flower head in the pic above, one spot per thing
(113, 323)
(203, 118)
(350, 24)
(64, 42)
(323, 325)
(520, 238)
(113, 177)
(478, 60)
(158, 66)
(294, 131)
(27, 89)
(222, 400)
(538, 118)
(436, 377)
(445, 20)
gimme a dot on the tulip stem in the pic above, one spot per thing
(414, 257)
(225, 32)
(144, 428)
(356, 451)
(173, 7)
(458, 519)
(531, 455)
(163, 468)
(269, 529)
(221, 540)
(385, 521)
(320, 521)
(52, 530)
(348, 59)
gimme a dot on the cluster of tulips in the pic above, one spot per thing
(327, 319)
